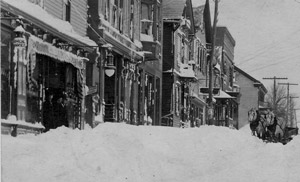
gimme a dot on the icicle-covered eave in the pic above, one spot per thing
(38, 16)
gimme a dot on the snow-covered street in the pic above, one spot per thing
(120, 152)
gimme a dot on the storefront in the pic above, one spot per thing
(197, 111)
(58, 75)
(224, 109)
(42, 71)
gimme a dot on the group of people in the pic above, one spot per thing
(55, 112)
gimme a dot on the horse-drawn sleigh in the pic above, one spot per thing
(266, 126)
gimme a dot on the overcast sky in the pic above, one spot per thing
(267, 35)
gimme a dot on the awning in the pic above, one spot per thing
(37, 15)
(223, 95)
(186, 71)
(37, 45)
(197, 100)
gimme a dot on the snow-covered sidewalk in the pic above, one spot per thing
(119, 152)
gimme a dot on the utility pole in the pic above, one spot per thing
(210, 98)
(274, 91)
(288, 95)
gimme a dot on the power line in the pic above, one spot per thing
(270, 46)
(279, 62)
(274, 91)
(288, 96)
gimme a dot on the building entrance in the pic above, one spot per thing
(54, 92)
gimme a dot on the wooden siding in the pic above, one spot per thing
(248, 99)
(79, 16)
(55, 8)
(78, 13)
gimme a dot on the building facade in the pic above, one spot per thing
(44, 52)
(129, 37)
(178, 63)
(252, 94)
(226, 109)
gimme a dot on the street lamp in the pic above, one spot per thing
(19, 40)
(109, 62)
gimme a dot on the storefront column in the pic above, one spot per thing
(19, 58)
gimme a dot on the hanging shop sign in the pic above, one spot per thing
(39, 46)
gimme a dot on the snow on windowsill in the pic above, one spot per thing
(110, 27)
(12, 120)
(147, 38)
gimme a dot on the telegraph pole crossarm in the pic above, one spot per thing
(274, 91)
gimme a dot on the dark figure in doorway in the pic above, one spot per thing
(62, 119)
(48, 112)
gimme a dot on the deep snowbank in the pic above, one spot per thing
(120, 152)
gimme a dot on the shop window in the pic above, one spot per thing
(32, 95)
(5, 73)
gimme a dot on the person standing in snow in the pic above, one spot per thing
(48, 112)
(62, 111)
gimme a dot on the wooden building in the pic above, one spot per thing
(226, 107)
(127, 70)
(44, 51)
(178, 64)
(252, 94)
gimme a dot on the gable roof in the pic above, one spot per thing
(176, 9)
(250, 77)
(173, 9)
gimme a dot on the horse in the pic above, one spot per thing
(275, 126)
(253, 120)
(270, 123)
(261, 127)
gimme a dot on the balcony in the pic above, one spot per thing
(149, 45)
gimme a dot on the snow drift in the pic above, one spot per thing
(121, 152)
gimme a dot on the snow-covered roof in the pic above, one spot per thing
(173, 8)
(38, 15)
(223, 95)
(186, 71)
